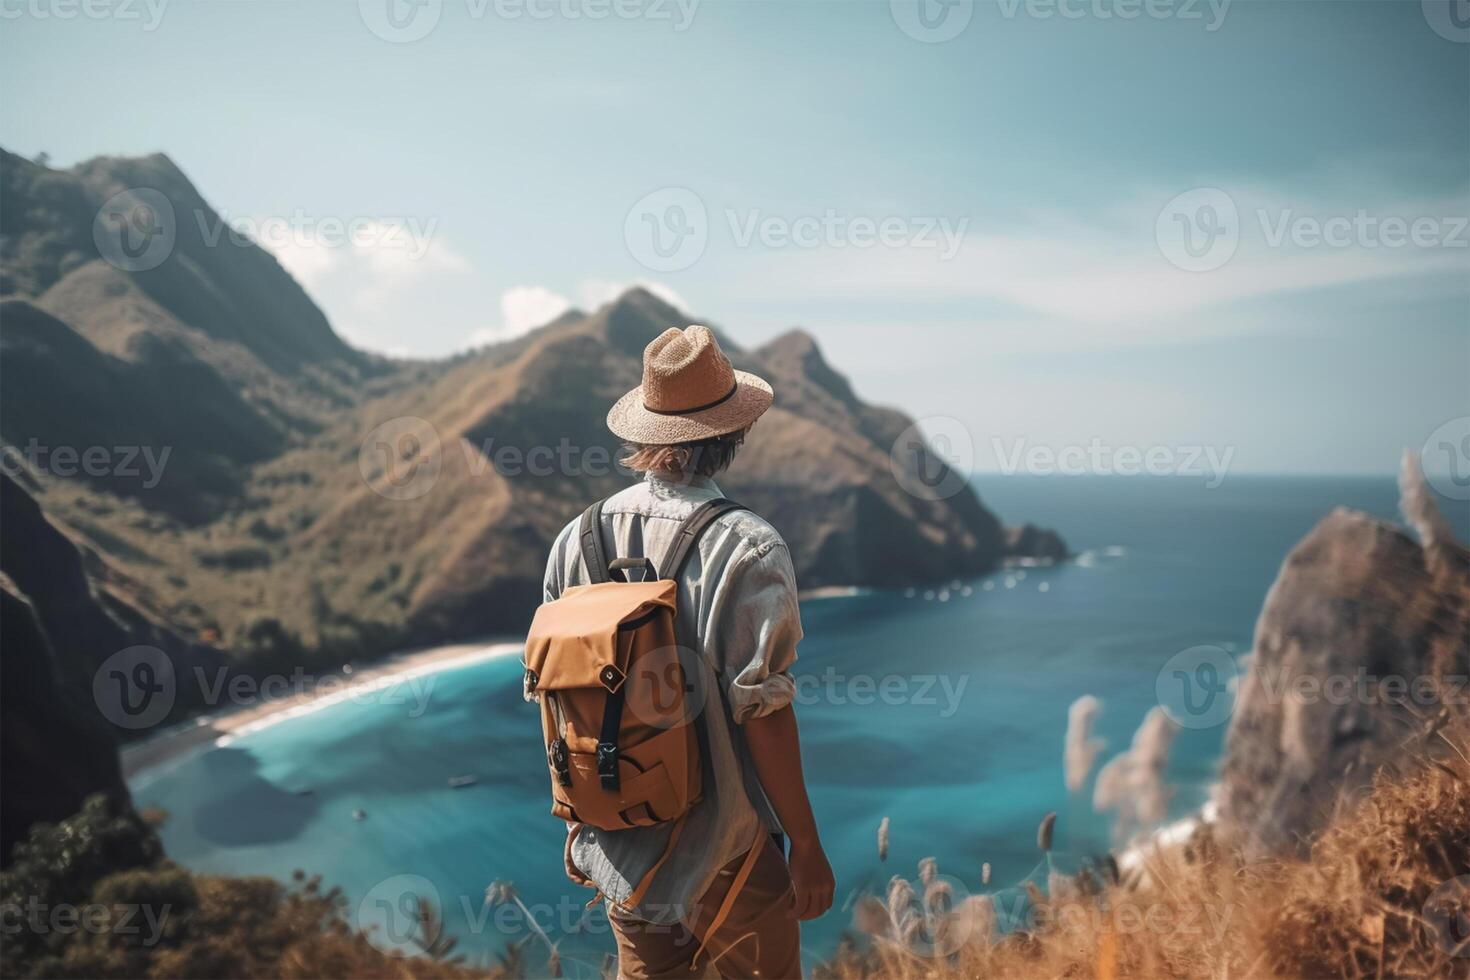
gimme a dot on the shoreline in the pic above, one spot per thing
(219, 728)
(831, 592)
(1169, 836)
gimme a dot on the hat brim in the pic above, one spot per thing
(631, 422)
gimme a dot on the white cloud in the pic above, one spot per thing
(308, 263)
(398, 258)
(522, 309)
(1108, 283)
(482, 336)
(378, 259)
(1101, 283)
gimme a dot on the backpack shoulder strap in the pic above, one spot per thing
(594, 554)
(690, 530)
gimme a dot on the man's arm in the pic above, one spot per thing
(758, 621)
(775, 747)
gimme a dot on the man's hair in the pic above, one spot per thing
(704, 457)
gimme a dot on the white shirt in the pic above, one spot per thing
(737, 609)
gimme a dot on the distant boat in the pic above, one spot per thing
(459, 782)
(359, 814)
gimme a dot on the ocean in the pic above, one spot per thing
(943, 709)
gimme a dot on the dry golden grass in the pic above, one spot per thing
(1375, 898)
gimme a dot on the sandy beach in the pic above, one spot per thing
(221, 727)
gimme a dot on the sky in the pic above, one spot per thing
(1051, 229)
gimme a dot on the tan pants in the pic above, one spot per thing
(759, 937)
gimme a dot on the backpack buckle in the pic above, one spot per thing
(561, 762)
(611, 677)
(607, 765)
(618, 568)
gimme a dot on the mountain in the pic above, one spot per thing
(1362, 649)
(209, 287)
(265, 495)
(215, 352)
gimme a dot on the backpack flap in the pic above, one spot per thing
(573, 640)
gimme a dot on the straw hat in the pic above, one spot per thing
(689, 392)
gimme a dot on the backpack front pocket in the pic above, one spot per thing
(658, 780)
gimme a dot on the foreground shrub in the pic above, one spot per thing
(1385, 892)
(93, 897)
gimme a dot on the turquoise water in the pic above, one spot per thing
(964, 768)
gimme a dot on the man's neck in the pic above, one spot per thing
(681, 480)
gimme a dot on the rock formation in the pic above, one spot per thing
(1029, 542)
(1360, 648)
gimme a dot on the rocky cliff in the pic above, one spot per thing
(1361, 651)
(65, 611)
(58, 751)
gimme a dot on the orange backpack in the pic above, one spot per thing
(620, 740)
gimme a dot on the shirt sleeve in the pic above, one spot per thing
(552, 584)
(757, 628)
